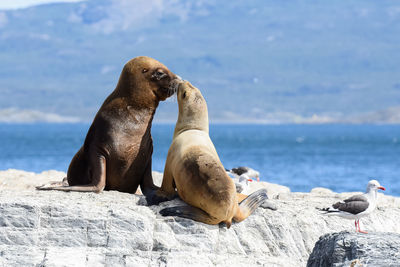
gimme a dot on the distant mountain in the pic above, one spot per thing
(260, 61)
(13, 115)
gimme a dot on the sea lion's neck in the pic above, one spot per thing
(135, 93)
(191, 117)
(132, 101)
(189, 123)
(140, 100)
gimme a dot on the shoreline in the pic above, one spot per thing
(15, 179)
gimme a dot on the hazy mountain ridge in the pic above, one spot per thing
(257, 58)
(13, 115)
(387, 116)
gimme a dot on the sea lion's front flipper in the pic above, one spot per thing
(190, 212)
(166, 192)
(98, 184)
(155, 197)
(249, 204)
(52, 185)
(75, 188)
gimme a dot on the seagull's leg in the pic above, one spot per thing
(355, 223)
(359, 230)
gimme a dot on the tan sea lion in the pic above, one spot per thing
(116, 154)
(195, 170)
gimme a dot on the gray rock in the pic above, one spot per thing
(321, 191)
(355, 249)
(49, 228)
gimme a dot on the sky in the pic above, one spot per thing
(15, 4)
(259, 61)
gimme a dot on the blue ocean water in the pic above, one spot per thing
(339, 157)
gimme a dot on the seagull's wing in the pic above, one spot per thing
(240, 170)
(356, 198)
(354, 205)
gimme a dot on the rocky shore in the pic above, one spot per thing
(45, 228)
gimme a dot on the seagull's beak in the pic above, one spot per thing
(381, 188)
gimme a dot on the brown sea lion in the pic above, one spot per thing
(116, 154)
(195, 170)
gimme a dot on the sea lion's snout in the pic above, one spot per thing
(174, 85)
(186, 89)
(185, 84)
(181, 87)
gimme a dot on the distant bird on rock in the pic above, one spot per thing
(242, 176)
(249, 172)
(357, 206)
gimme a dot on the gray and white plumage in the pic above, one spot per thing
(242, 183)
(354, 205)
(242, 176)
(249, 172)
(357, 206)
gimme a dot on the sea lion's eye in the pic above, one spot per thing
(184, 95)
(144, 70)
(159, 74)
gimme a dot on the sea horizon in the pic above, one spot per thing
(301, 156)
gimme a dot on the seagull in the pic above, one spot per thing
(249, 172)
(242, 183)
(357, 206)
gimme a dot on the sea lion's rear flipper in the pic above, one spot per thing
(249, 204)
(241, 197)
(190, 212)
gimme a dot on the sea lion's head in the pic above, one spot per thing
(193, 113)
(148, 79)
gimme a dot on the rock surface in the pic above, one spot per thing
(352, 249)
(21, 180)
(49, 228)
